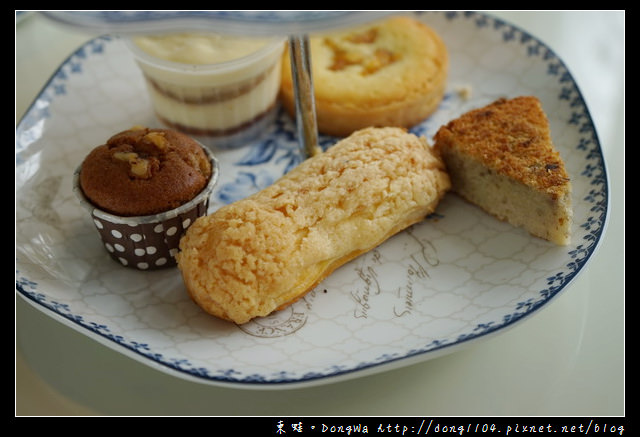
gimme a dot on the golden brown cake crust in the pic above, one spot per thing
(144, 171)
(262, 253)
(512, 137)
(501, 158)
(388, 73)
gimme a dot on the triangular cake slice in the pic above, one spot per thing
(502, 159)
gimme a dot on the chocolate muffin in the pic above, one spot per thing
(144, 171)
(143, 189)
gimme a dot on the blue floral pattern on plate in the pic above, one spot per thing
(431, 289)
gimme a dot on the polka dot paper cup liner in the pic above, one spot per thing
(148, 242)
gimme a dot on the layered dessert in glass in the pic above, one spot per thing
(220, 89)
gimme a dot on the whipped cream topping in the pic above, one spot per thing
(198, 48)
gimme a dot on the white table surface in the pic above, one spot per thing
(566, 360)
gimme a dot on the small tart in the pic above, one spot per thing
(387, 73)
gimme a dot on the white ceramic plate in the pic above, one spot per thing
(455, 278)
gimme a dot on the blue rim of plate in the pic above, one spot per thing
(595, 226)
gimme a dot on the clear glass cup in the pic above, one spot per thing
(222, 104)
